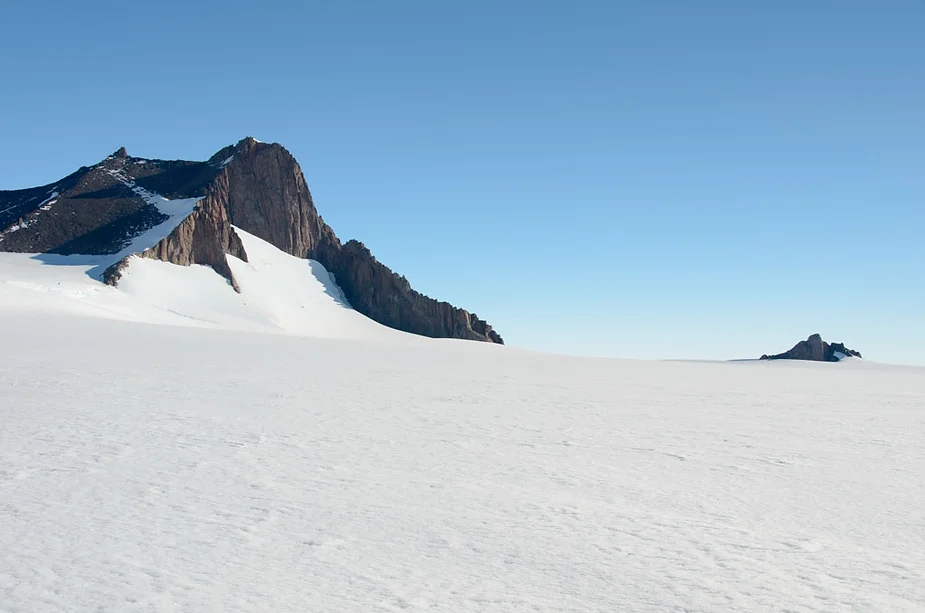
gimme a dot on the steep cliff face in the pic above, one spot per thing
(255, 186)
(268, 197)
(205, 237)
(380, 294)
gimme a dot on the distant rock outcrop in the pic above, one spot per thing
(255, 186)
(815, 349)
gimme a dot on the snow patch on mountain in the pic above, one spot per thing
(177, 210)
(278, 292)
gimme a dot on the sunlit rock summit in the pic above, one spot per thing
(187, 213)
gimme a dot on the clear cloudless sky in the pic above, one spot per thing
(657, 179)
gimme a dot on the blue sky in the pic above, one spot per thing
(668, 179)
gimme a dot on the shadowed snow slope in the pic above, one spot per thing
(155, 468)
(279, 293)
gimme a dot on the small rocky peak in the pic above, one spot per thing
(816, 350)
(246, 144)
(115, 160)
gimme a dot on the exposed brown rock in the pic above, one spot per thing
(202, 238)
(814, 349)
(268, 197)
(380, 294)
(255, 186)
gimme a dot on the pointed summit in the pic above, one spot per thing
(247, 143)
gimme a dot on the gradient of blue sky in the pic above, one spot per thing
(710, 179)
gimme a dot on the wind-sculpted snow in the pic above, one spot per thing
(158, 468)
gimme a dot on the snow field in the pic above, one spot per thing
(159, 468)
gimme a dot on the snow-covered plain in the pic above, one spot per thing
(275, 450)
(159, 468)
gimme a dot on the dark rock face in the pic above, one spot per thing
(814, 349)
(380, 294)
(255, 186)
(268, 197)
(92, 215)
(95, 210)
(202, 238)
(836, 348)
(17, 206)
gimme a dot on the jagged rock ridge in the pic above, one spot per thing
(256, 186)
(815, 349)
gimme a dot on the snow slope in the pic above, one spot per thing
(158, 468)
(279, 293)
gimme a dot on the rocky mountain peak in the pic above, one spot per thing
(249, 143)
(255, 186)
(816, 350)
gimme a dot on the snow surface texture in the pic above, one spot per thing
(157, 468)
(279, 293)
(160, 468)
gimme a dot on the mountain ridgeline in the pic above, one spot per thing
(255, 186)
(815, 349)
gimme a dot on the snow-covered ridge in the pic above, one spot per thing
(177, 210)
